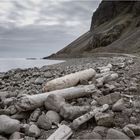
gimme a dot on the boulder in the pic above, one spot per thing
(16, 136)
(109, 99)
(39, 81)
(3, 138)
(91, 136)
(8, 125)
(34, 116)
(53, 116)
(134, 128)
(54, 102)
(34, 131)
(118, 106)
(44, 122)
(104, 119)
(116, 134)
(101, 130)
(128, 132)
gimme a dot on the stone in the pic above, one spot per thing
(91, 136)
(137, 138)
(25, 128)
(118, 106)
(109, 99)
(133, 120)
(116, 134)
(101, 130)
(8, 125)
(104, 119)
(128, 132)
(16, 136)
(48, 74)
(53, 116)
(34, 116)
(34, 131)
(134, 128)
(29, 138)
(54, 102)
(3, 138)
(39, 81)
(44, 122)
(94, 102)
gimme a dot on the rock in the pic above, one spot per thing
(133, 120)
(91, 136)
(44, 122)
(109, 99)
(70, 112)
(128, 132)
(137, 138)
(34, 131)
(104, 119)
(16, 136)
(118, 106)
(25, 128)
(8, 125)
(94, 102)
(34, 116)
(39, 81)
(115, 134)
(101, 130)
(54, 102)
(48, 74)
(29, 138)
(20, 115)
(134, 128)
(3, 138)
(53, 116)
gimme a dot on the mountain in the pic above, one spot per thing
(115, 28)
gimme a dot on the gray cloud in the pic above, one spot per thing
(41, 27)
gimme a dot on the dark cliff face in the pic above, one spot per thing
(115, 27)
(108, 10)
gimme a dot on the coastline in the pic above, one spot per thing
(18, 82)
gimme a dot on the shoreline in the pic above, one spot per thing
(16, 83)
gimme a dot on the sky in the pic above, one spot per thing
(37, 28)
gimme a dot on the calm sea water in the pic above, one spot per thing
(12, 63)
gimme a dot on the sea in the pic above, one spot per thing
(7, 64)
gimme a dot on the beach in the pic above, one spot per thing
(18, 82)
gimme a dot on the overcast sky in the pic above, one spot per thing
(38, 28)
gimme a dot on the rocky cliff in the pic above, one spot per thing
(115, 27)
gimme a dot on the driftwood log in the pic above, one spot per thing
(69, 80)
(30, 102)
(64, 132)
(84, 118)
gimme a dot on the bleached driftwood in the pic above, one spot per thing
(84, 118)
(69, 80)
(62, 133)
(30, 102)
(105, 68)
(106, 78)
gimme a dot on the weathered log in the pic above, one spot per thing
(105, 68)
(84, 118)
(106, 78)
(69, 80)
(30, 102)
(62, 133)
